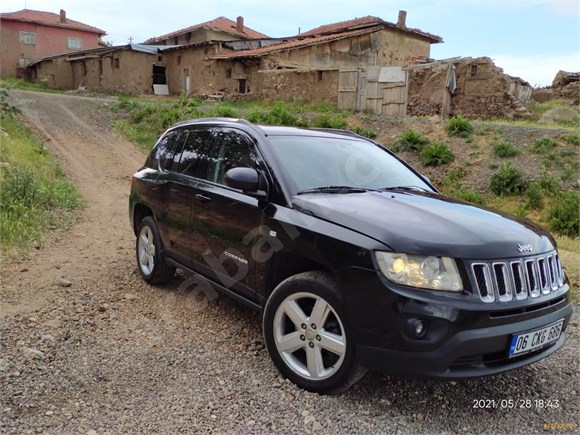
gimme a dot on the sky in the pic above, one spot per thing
(531, 39)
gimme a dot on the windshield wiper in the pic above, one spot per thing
(334, 189)
(411, 188)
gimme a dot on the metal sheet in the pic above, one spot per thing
(161, 89)
(392, 74)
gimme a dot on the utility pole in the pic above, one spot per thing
(130, 39)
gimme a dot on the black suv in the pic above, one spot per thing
(354, 259)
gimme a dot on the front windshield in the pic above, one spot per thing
(313, 162)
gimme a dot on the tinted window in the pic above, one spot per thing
(166, 149)
(324, 161)
(232, 150)
(194, 155)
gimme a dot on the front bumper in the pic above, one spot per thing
(464, 340)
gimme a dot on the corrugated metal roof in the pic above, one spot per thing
(367, 21)
(48, 19)
(221, 24)
(296, 43)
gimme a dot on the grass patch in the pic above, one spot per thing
(14, 83)
(35, 195)
(504, 149)
(543, 145)
(571, 139)
(437, 153)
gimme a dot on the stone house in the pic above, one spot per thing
(365, 64)
(473, 87)
(27, 36)
(132, 69)
(220, 29)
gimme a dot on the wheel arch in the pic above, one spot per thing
(140, 212)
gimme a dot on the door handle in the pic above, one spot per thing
(202, 198)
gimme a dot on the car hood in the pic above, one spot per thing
(429, 224)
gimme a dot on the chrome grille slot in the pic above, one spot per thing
(559, 271)
(483, 281)
(532, 278)
(518, 279)
(553, 273)
(502, 282)
(544, 279)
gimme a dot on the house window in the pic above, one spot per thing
(228, 73)
(473, 70)
(116, 63)
(175, 40)
(178, 60)
(74, 44)
(23, 62)
(159, 58)
(28, 38)
(242, 88)
(319, 76)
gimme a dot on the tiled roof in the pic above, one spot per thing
(363, 22)
(48, 19)
(222, 24)
(298, 42)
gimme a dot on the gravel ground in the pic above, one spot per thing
(114, 355)
(87, 347)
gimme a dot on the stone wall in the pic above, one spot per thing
(318, 86)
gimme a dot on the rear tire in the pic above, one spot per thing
(307, 334)
(151, 260)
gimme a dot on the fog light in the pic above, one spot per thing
(420, 328)
(416, 328)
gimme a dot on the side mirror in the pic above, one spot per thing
(244, 179)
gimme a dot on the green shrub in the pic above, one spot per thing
(7, 108)
(508, 180)
(543, 145)
(364, 132)
(563, 215)
(470, 195)
(326, 120)
(436, 154)
(549, 183)
(534, 196)
(571, 138)
(459, 126)
(505, 149)
(224, 111)
(411, 140)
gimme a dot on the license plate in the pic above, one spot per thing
(529, 341)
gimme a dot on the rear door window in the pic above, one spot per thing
(193, 157)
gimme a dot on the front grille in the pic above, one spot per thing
(518, 279)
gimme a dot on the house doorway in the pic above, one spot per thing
(160, 80)
(159, 75)
(186, 83)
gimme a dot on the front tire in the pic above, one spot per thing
(150, 255)
(307, 334)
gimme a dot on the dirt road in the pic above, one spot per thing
(109, 354)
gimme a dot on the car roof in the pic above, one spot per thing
(273, 130)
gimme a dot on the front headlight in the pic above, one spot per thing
(433, 273)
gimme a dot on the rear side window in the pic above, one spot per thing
(194, 155)
(164, 152)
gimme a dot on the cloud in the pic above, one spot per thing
(537, 70)
(564, 6)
